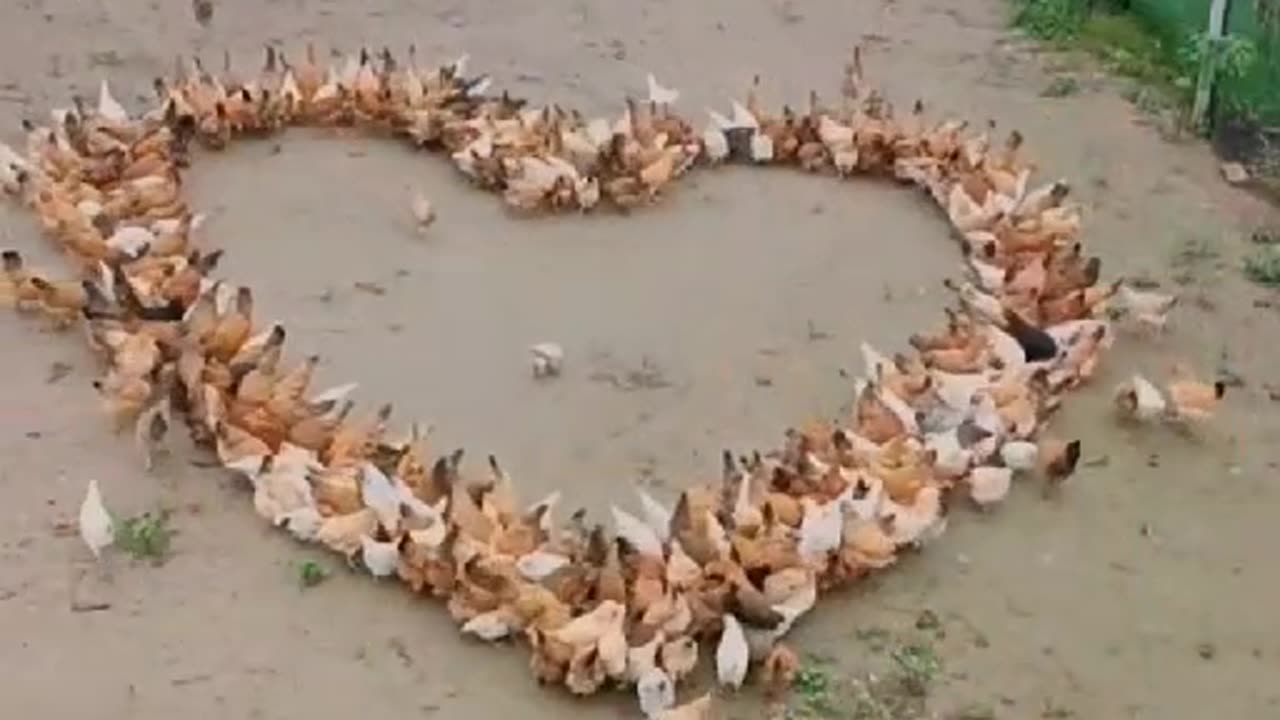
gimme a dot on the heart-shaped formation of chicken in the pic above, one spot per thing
(733, 565)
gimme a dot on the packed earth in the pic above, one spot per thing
(739, 329)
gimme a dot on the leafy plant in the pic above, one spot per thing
(815, 689)
(1263, 266)
(1236, 55)
(885, 699)
(311, 574)
(1050, 19)
(918, 665)
(1061, 86)
(1268, 14)
(899, 694)
(146, 536)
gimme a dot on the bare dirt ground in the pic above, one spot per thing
(716, 319)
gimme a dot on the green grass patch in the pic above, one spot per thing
(1262, 266)
(918, 665)
(1060, 87)
(311, 574)
(145, 537)
(898, 690)
(1164, 67)
(1054, 20)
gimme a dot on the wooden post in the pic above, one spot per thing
(1209, 65)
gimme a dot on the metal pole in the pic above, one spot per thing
(1209, 64)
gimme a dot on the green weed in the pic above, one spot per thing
(1061, 86)
(146, 536)
(898, 694)
(815, 689)
(917, 665)
(311, 574)
(1262, 266)
(1235, 55)
(1057, 20)
(1126, 46)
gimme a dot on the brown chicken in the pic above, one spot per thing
(1059, 460)
(779, 672)
(1191, 399)
(234, 328)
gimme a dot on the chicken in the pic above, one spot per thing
(989, 485)
(1190, 399)
(659, 95)
(656, 692)
(151, 429)
(548, 358)
(1042, 198)
(779, 672)
(233, 328)
(1139, 399)
(732, 654)
(96, 527)
(18, 278)
(587, 630)
(61, 301)
(1149, 309)
(423, 212)
(1019, 455)
(109, 109)
(1037, 345)
(715, 141)
(123, 397)
(1059, 460)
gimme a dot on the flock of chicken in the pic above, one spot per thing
(735, 563)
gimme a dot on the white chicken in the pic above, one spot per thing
(380, 495)
(548, 358)
(989, 485)
(1149, 309)
(491, 626)
(380, 558)
(1139, 399)
(656, 693)
(109, 108)
(657, 517)
(96, 527)
(131, 240)
(984, 304)
(820, 528)
(761, 148)
(952, 460)
(659, 95)
(540, 564)
(637, 533)
(715, 145)
(834, 135)
(424, 213)
(1019, 455)
(733, 656)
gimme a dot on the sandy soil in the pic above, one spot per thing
(1141, 593)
